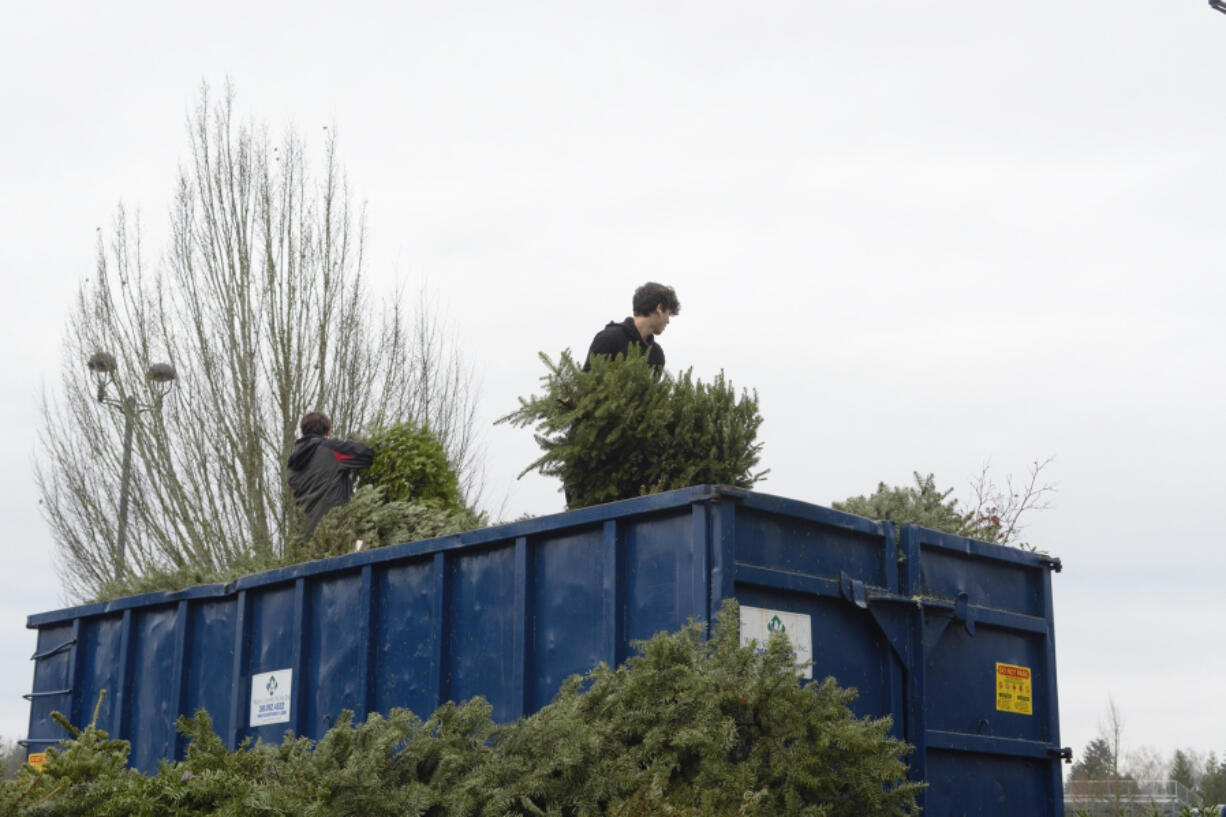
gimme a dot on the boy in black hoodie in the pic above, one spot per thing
(654, 304)
(321, 469)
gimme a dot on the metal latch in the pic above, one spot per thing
(1063, 753)
(962, 612)
(853, 590)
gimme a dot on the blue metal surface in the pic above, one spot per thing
(981, 605)
(918, 626)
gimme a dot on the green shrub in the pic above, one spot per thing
(622, 430)
(377, 523)
(412, 465)
(190, 575)
(924, 504)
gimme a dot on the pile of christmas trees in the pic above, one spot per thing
(693, 725)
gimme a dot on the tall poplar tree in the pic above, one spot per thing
(261, 304)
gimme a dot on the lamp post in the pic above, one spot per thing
(1220, 5)
(161, 376)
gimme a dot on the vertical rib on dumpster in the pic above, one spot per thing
(123, 685)
(76, 706)
(694, 600)
(298, 648)
(723, 553)
(366, 644)
(1056, 786)
(238, 691)
(916, 729)
(178, 674)
(613, 592)
(440, 659)
(520, 636)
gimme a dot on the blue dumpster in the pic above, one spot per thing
(951, 637)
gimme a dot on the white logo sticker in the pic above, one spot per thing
(270, 697)
(758, 623)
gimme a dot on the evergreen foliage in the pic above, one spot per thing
(411, 464)
(366, 518)
(922, 504)
(690, 726)
(191, 575)
(12, 756)
(698, 726)
(83, 775)
(1095, 762)
(1213, 784)
(1181, 769)
(622, 430)
(426, 502)
(377, 523)
(410, 492)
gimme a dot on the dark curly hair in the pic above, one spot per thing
(316, 422)
(650, 295)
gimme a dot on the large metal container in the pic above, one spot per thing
(951, 637)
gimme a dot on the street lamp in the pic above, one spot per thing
(1220, 5)
(161, 376)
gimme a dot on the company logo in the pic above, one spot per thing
(775, 625)
(271, 686)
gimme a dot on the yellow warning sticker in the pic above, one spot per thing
(1013, 692)
(37, 759)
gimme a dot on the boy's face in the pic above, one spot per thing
(659, 320)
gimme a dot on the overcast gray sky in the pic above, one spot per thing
(929, 235)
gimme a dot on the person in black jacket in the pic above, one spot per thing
(654, 304)
(321, 468)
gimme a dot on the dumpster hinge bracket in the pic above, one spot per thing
(1064, 753)
(962, 612)
(891, 620)
(853, 590)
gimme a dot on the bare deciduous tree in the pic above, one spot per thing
(1111, 729)
(997, 511)
(260, 303)
(12, 755)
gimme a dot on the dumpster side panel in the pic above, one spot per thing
(54, 684)
(272, 630)
(481, 626)
(811, 561)
(569, 633)
(1002, 584)
(336, 645)
(987, 784)
(407, 631)
(810, 547)
(151, 705)
(962, 682)
(209, 660)
(660, 561)
(987, 698)
(102, 663)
